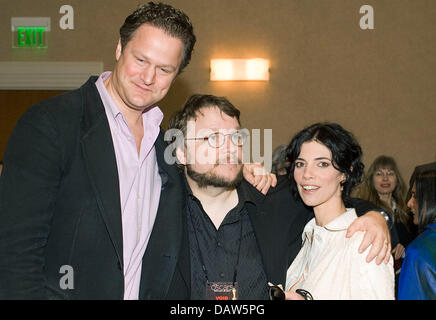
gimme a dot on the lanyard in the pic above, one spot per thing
(203, 266)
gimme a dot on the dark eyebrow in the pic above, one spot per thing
(323, 158)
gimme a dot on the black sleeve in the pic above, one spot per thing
(363, 206)
(28, 186)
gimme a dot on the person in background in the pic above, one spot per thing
(280, 163)
(326, 165)
(418, 274)
(384, 186)
(418, 169)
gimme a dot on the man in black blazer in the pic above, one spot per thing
(61, 209)
(239, 239)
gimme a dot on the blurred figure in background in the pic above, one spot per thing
(418, 169)
(418, 275)
(280, 162)
(384, 186)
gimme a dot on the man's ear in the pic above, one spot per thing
(181, 156)
(118, 50)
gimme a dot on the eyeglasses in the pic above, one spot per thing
(217, 139)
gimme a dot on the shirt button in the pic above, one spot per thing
(219, 244)
(222, 274)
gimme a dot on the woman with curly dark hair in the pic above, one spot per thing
(326, 165)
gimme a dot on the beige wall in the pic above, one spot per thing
(378, 83)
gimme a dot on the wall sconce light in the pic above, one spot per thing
(239, 69)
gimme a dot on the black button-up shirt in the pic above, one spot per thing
(220, 248)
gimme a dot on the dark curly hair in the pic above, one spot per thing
(346, 152)
(173, 21)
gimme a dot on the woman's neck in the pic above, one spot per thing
(386, 198)
(328, 211)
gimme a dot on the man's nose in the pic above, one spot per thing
(148, 75)
(229, 148)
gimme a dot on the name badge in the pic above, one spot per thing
(221, 291)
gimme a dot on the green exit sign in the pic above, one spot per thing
(31, 37)
(30, 32)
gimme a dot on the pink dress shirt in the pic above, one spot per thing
(140, 184)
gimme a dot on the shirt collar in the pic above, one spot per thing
(108, 102)
(340, 223)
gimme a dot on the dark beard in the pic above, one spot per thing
(204, 180)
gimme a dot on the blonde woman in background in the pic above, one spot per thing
(384, 186)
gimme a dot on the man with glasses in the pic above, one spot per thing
(239, 240)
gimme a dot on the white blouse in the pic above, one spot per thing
(331, 267)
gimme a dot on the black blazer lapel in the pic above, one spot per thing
(269, 245)
(99, 156)
(163, 249)
(266, 222)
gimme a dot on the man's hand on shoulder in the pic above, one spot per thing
(258, 177)
(376, 234)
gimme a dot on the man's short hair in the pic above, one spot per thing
(191, 110)
(197, 102)
(173, 21)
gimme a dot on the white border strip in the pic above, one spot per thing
(30, 22)
(46, 75)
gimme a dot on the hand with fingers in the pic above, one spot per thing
(376, 234)
(257, 176)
